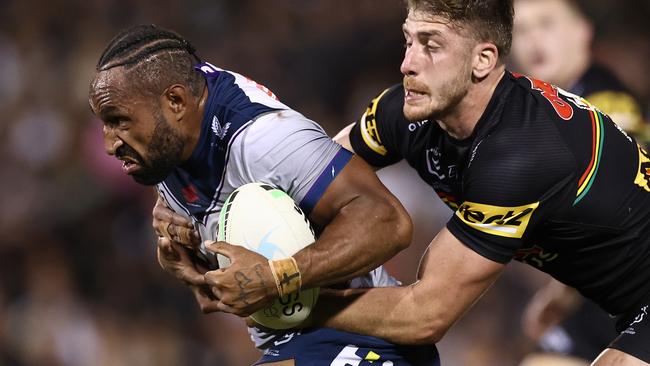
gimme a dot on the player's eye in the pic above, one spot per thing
(432, 47)
(119, 122)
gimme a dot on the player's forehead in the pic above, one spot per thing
(111, 91)
(420, 23)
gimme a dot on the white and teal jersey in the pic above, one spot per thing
(247, 136)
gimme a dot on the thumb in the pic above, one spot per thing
(192, 276)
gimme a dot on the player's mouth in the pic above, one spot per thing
(130, 165)
(413, 96)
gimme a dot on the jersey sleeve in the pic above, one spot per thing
(374, 135)
(290, 152)
(512, 185)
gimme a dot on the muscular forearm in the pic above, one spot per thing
(366, 232)
(452, 278)
(389, 313)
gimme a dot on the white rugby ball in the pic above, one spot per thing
(267, 221)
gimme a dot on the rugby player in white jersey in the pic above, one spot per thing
(198, 132)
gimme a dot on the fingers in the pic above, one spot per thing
(210, 304)
(178, 233)
(221, 247)
(173, 226)
(184, 235)
(214, 278)
(163, 213)
(166, 249)
(176, 260)
(207, 303)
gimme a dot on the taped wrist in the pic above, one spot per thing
(286, 274)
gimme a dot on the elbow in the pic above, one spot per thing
(428, 332)
(430, 335)
(400, 226)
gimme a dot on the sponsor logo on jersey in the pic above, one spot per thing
(638, 319)
(414, 125)
(643, 174)
(218, 129)
(368, 125)
(510, 222)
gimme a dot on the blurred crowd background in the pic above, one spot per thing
(79, 282)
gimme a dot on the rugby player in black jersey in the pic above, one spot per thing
(552, 41)
(534, 174)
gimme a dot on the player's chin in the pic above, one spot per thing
(416, 111)
(148, 178)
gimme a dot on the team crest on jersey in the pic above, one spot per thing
(368, 125)
(510, 222)
(218, 129)
(643, 174)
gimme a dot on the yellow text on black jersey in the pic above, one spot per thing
(368, 126)
(510, 222)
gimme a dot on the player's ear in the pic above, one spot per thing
(174, 100)
(486, 57)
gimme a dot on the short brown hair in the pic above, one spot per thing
(490, 20)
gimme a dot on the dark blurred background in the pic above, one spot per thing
(79, 282)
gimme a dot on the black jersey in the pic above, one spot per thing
(545, 179)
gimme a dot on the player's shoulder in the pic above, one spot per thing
(527, 140)
(279, 128)
(538, 100)
(238, 92)
(376, 135)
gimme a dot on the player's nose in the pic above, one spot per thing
(408, 63)
(111, 141)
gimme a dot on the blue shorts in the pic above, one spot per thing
(329, 347)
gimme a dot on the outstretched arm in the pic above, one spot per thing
(452, 277)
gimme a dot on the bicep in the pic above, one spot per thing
(356, 181)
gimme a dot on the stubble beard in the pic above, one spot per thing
(449, 95)
(164, 153)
